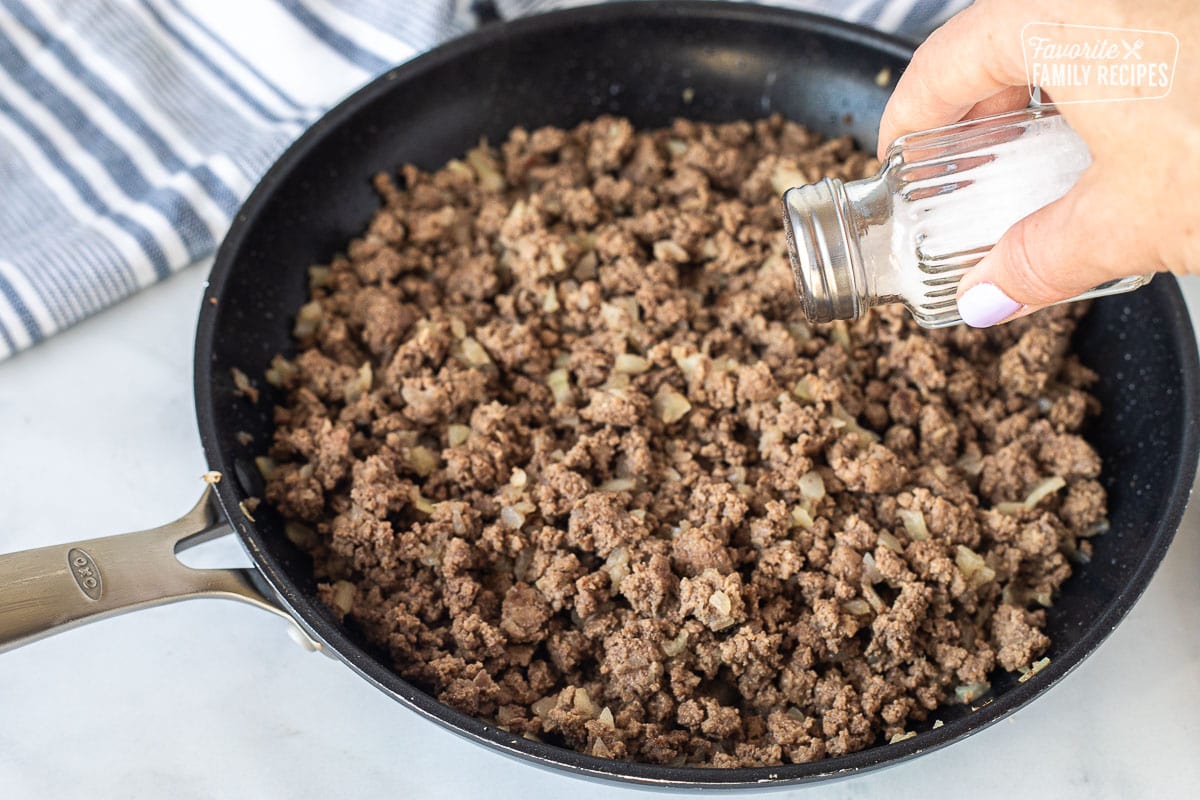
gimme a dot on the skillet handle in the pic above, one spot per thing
(54, 588)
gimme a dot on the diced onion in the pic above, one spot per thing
(319, 277)
(457, 434)
(725, 364)
(419, 502)
(456, 519)
(618, 485)
(900, 737)
(614, 316)
(851, 424)
(720, 601)
(343, 596)
(266, 466)
(670, 405)
(969, 692)
(968, 560)
(247, 507)
(872, 597)
(421, 460)
(677, 645)
(631, 364)
(243, 386)
(473, 354)
(606, 718)
(559, 382)
(583, 703)
(799, 331)
(557, 251)
(857, 607)
(617, 567)
(801, 518)
(914, 523)
(785, 177)
(1033, 669)
(616, 384)
(585, 267)
(1037, 494)
(871, 569)
(460, 168)
(280, 371)
(888, 540)
(299, 535)
(670, 251)
(688, 364)
(839, 334)
(767, 440)
(360, 384)
(521, 564)
(971, 464)
(307, 320)
(812, 486)
(512, 518)
(771, 263)
(490, 179)
(1045, 488)
(973, 567)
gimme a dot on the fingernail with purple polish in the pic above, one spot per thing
(984, 305)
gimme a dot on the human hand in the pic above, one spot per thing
(1132, 211)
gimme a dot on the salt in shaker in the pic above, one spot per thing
(942, 199)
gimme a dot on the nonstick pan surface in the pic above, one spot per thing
(651, 62)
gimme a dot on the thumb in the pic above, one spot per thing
(1085, 238)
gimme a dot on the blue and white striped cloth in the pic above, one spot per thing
(131, 130)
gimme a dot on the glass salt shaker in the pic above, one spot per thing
(942, 200)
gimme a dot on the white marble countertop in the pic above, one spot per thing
(211, 699)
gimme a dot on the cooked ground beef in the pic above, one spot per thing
(559, 441)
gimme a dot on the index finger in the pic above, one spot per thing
(974, 56)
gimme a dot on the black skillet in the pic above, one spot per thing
(652, 62)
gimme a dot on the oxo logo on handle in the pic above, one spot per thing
(85, 572)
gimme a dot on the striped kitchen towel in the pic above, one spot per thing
(131, 130)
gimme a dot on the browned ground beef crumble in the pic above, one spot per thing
(559, 440)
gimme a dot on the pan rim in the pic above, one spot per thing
(315, 620)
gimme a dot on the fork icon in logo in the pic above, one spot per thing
(1133, 50)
